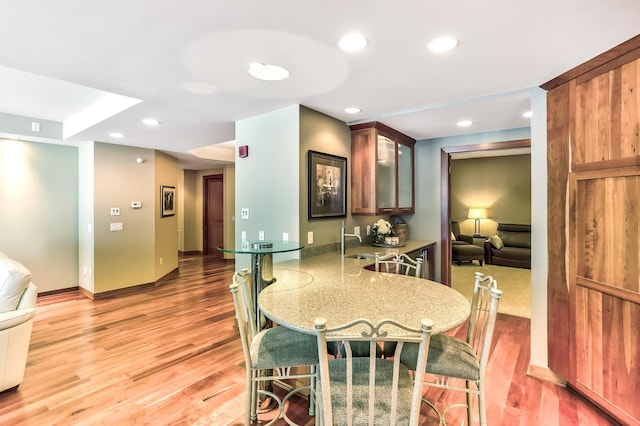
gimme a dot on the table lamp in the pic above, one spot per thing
(477, 214)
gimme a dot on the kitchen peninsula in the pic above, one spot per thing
(343, 289)
(350, 264)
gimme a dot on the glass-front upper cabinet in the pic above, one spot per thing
(386, 173)
(382, 177)
(405, 177)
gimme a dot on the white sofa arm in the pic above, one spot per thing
(13, 318)
(29, 297)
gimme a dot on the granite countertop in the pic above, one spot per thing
(340, 289)
(348, 264)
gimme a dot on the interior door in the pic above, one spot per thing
(213, 232)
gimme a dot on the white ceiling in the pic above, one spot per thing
(186, 61)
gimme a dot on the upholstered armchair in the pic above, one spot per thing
(462, 247)
(17, 308)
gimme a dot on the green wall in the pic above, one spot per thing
(502, 185)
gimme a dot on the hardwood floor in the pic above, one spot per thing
(170, 355)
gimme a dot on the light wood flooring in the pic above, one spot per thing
(170, 355)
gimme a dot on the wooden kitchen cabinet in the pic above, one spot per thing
(382, 175)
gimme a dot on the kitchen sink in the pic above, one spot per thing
(361, 256)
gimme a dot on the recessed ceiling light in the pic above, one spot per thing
(442, 44)
(151, 122)
(352, 42)
(464, 123)
(527, 114)
(352, 110)
(267, 72)
(116, 135)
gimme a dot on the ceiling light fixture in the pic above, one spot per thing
(352, 42)
(267, 72)
(442, 44)
(151, 122)
(527, 114)
(464, 123)
(116, 135)
(352, 110)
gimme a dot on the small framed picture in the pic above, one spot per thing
(327, 185)
(168, 200)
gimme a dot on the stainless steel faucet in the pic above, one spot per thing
(342, 235)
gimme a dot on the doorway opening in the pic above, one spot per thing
(486, 149)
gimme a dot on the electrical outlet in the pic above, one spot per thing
(115, 226)
(356, 230)
(310, 237)
(244, 213)
(285, 236)
(115, 211)
(261, 235)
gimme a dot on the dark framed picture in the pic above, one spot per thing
(168, 200)
(327, 185)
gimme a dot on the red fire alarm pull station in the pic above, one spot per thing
(243, 151)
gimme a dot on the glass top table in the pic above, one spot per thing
(261, 247)
(261, 264)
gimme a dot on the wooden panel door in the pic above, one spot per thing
(213, 231)
(604, 238)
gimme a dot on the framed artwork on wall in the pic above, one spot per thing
(167, 200)
(327, 185)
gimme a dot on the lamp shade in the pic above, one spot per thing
(477, 213)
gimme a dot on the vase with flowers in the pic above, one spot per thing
(381, 229)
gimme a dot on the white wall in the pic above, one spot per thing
(267, 181)
(39, 210)
(539, 238)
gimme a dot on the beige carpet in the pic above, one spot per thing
(515, 284)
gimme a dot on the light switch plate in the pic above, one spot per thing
(310, 237)
(285, 236)
(116, 226)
